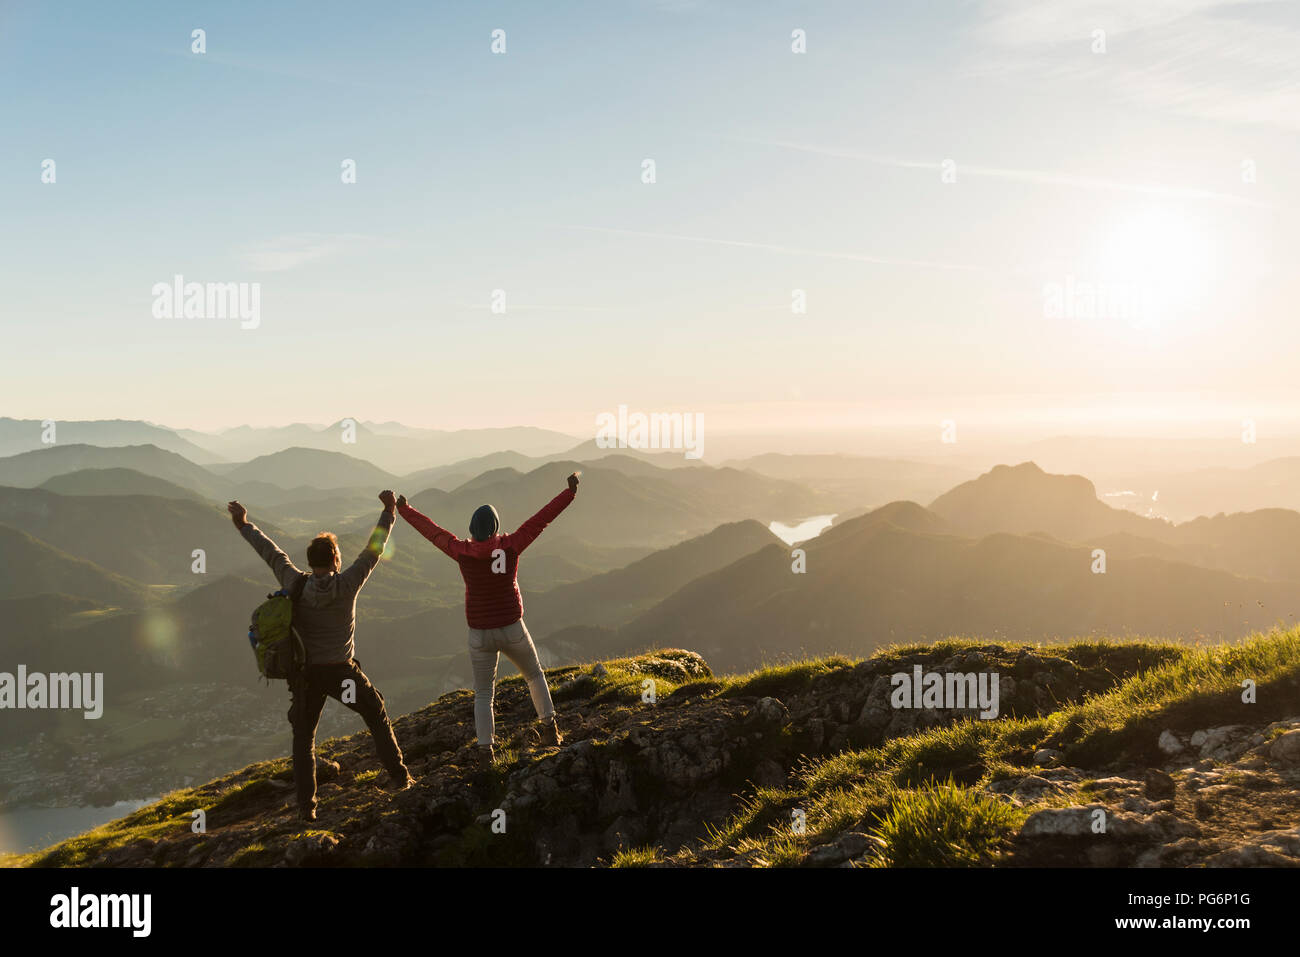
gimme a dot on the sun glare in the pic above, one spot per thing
(1164, 261)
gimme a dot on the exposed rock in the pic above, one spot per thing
(311, 848)
(197, 854)
(1047, 757)
(618, 790)
(1178, 853)
(1270, 849)
(767, 773)
(1027, 789)
(579, 686)
(771, 712)
(1159, 785)
(624, 832)
(1103, 855)
(1196, 779)
(1140, 805)
(1060, 822)
(1149, 828)
(815, 728)
(1222, 744)
(1169, 742)
(1286, 748)
(847, 846)
(1061, 774)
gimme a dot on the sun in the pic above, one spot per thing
(1163, 262)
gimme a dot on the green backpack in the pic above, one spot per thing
(276, 643)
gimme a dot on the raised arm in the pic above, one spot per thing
(355, 575)
(443, 539)
(527, 532)
(283, 569)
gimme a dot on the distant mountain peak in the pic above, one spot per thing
(1023, 498)
(1030, 475)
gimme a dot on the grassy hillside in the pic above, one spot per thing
(145, 537)
(30, 469)
(115, 481)
(195, 637)
(977, 792)
(718, 770)
(29, 567)
(314, 468)
(34, 613)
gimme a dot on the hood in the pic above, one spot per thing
(484, 523)
(483, 549)
(319, 592)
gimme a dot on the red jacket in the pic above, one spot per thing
(492, 599)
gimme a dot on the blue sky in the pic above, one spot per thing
(775, 171)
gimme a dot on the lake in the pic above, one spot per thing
(25, 829)
(808, 528)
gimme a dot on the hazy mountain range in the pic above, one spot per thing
(389, 445)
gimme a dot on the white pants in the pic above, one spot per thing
(485, 646)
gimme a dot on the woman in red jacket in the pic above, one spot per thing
(494, 608)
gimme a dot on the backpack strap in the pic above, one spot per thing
(299, 646)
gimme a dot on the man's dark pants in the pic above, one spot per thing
(307, 699)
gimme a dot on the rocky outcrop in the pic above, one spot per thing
(1226, 797)
(661, 769)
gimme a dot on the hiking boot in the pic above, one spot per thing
(307, 814)
(483, 757)
(549, 732)
(400, 782)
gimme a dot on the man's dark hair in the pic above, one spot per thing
(323, 552)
